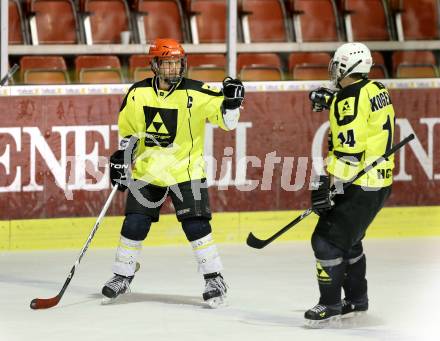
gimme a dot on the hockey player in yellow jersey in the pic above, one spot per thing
(361, 117)
(162, 127)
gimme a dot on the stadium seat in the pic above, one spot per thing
(47, 17)
(366, 20)
(414, 64)
(139, 67)
(207, 73)
(315, 20)
(259, 67)
(98, 69)
(208, 21)
(416, 19)
(43, 70)
(158, 19)
(207, 67)
(17, 35)
(309, 65)
(264, 21)
(378, 70)
(416, 71)
(104, 20)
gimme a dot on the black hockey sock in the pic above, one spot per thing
(355, 283)
(330, 278)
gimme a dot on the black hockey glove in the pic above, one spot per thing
(321, 201)
(118, 170)
(321, 99)
(233, 91)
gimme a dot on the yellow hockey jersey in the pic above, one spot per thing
(361, 130)
(170, 126)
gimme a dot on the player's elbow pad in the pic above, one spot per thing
(230, 118)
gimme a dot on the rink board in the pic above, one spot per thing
(232, 227)
(55, 142)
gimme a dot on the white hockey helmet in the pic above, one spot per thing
(348, 59)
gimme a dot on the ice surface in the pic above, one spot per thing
(269, 290)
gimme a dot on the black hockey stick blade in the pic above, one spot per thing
(257, 243)
(254, 242)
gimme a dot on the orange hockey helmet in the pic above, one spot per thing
(163, 51)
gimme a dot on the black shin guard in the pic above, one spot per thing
(355, 283)
(330, 278)
(330, 267)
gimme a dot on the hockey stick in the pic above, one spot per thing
(44, 303)
(10, 73)
(256, 243)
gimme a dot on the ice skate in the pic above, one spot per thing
(215, 291)
(116, 286)
(351, 309)
(321, 316)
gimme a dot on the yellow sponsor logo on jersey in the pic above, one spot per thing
(346, 107)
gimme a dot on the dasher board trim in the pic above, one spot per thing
(120, 89)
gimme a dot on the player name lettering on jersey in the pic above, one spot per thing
(381, 100)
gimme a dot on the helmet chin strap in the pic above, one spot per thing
(173, 81)
(345, 74)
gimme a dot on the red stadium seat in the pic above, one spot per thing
(264, 21)
(377, 58)
(16, 29)
(416, 19)
(207, 73)
(366, 20)
(208, 21)
(259, 67)
(378, 70)
(43, 70)
(98, 69)
(207, 67)
(158, 19)
(53, 22)
(215, 59)
(139, 67)
(316, 20)
(105, 20)
(309, 65)
(414, 64)
(417, 71)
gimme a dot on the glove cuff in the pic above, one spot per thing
(232, 103)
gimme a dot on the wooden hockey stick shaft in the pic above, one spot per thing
(44, 303)
(257, 243)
